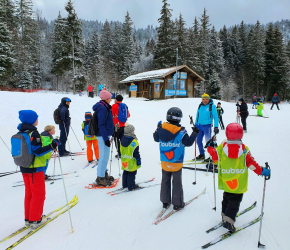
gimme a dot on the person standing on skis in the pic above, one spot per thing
(233, 158)
(220, 112)
(275, 101)
(206, 114)
(243, 113)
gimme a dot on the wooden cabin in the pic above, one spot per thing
(161, 84)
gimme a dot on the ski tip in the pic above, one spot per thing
(153, 179)
(113, 194)
(255, 203)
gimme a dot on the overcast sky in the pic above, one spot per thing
(144, 12)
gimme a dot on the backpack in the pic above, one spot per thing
(21, 150)
(86, 128)
(93, 127)
(56, 116)
(123, 112)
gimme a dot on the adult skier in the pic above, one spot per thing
(206, 114)
(90, 89)
(101, 86)
(275, 101)
(233, 158)
(64, 125)
(173, 139)
(243, 113)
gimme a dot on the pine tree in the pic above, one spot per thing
(165, 53)
(6, 57)
(214, 86)
(106, 41)
(181, 34)
(288, 49)
(7, 14)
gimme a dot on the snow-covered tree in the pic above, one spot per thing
(214, 86)
(229, 89)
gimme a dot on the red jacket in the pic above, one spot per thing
(90, 89)
(233, 152)
(115, 113)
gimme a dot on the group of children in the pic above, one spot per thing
(231, 156)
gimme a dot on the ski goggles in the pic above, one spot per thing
(68, 100)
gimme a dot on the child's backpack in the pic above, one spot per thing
(56, 116)
(123, 112)
(86, 128)
(21, 150)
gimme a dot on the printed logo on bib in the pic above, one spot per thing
(233, 171)
(125, 164)
(133, 144)
(169, 144)
(232, 184)
(169, 155)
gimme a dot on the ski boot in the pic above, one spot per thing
(200, 157)
(109, 178)
(175, 207)
(36, 224)
(229, 226)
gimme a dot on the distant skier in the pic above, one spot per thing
(220, 112)
(131, 160)
(172, 140)
(275, 100)
(260, 107)
(255, 103)
(243, 113)
(80, 93)
(101, 86)
(90, 89)
(234, 158)
(206, 114)
(33, 176)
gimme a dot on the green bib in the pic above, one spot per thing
(233, 173)
(129, 163)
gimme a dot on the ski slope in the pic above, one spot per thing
(125, 221)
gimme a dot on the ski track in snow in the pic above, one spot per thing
(125, 221)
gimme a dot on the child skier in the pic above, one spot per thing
(80, 93)
(172, 140)
(33, 175)
(131, 160)
(220, 112)
(46, 137)
(260, 108)
(233, 158)
(90, 139)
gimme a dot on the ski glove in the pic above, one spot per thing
(216, 130)
(265, 172)
(159, 125)
(107, 143)
(195, 130)
(55, 143)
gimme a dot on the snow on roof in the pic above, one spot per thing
(154, 74)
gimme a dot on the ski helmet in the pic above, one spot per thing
(234, 131)
(174, 114)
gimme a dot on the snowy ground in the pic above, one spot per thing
(125, 221)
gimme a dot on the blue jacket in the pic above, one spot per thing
(64, 112)
(275, 99)
(206, 117)
(125, 142)
(105, 119)
(101, 86)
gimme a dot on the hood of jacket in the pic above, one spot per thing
(63, 105)
(168, 131)
(126, 141)
(45, 133)
(233, 149)
(101, 104)
(26, 127)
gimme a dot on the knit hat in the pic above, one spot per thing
(88, 115)
(105, 95)
(49, 128)
(129, 129)
(205, 96)
(275, 94)
(119, 98)
(241, 100)
(28, 116)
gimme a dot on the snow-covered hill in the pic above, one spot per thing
(125, 221)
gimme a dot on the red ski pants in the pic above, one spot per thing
(34, 195)
(93, 143)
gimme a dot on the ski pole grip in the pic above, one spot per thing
(268, 167)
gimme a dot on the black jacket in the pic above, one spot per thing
(243, 106)
(64, 112)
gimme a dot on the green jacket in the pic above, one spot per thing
(129, 163)
(233, 172)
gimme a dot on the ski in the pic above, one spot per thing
(260, 116)
(228, 234)
(193, 163)
(201, 169)
(136, 189)
(26, 227)
(96, 164)
(93, 186)
(163, 211)
(174, 211)
(238, 215)
(89, 163)
(72, 154)
(119, 189)
(50, 220)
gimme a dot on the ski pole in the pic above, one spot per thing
(118, 157)
(5, 144)
(67, 141)
(262, 209)
(111, 156)
(76, 137)
(192, 123)
(53, 169)
(72, 229)
(213, 172)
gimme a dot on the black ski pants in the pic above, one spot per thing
(276, 105)
(231, 204)
(118, 136)
(221, 122)
(244, 116)
(177, 190)
(128, 179)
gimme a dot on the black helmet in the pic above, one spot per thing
(174, 114)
